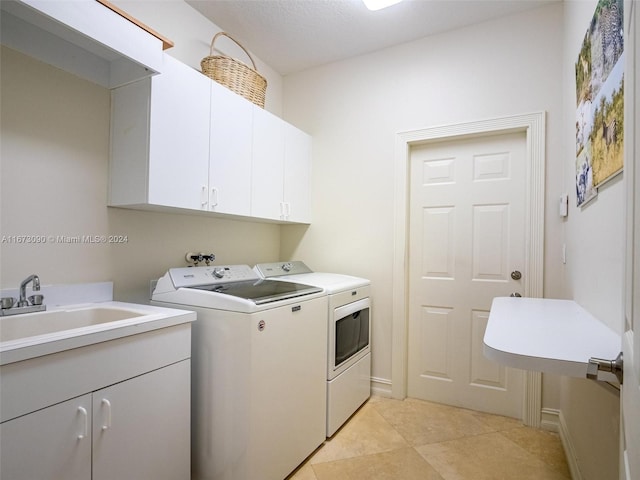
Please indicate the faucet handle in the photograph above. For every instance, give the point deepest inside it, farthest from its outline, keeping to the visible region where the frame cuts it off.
(36, 299)
(7, 302)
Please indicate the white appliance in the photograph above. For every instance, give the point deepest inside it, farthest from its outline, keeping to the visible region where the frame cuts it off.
(349, 335)
(258, 370)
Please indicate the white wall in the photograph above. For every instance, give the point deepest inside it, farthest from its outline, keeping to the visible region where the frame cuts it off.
(594, 235)
(354, 109)
(594, 232)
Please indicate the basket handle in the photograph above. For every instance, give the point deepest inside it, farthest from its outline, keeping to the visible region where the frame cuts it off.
(234, 41)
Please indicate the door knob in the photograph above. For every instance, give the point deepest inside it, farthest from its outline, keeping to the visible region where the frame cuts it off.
(515, 294)
(516, 275)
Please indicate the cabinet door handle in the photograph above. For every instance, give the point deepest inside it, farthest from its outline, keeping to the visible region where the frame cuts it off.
(203, 197)
(285, 210)
(107, 418)
(85, 422)
(214, 197)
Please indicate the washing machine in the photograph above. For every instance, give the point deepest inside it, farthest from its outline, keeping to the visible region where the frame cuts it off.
(348, 318)
(258, 370)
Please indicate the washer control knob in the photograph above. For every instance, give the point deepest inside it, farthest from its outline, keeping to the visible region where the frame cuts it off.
(287, 267)
(218, 272)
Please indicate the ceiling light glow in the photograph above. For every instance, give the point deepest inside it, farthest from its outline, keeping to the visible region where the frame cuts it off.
(379, 4)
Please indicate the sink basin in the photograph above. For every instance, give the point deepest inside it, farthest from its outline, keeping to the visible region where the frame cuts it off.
(30, 335)
(42, 323)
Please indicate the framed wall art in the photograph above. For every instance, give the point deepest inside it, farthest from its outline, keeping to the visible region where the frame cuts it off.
(599, 97)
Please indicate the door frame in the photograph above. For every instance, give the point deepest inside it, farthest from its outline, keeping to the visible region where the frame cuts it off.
(533, 125)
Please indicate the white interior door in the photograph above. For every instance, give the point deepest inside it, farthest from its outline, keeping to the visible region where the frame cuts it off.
(467, 237)
(630, 397)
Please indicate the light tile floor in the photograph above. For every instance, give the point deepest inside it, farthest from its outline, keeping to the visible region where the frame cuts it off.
(413, 439)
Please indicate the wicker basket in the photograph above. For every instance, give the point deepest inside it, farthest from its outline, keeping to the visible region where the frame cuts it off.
(235, 75)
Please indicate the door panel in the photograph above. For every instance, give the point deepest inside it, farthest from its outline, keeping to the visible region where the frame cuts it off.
(438, 255)
(483, 373)
(467, 231)
(436, 338)
(490, 242)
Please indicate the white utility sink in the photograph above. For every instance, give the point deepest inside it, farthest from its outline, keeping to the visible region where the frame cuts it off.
(31, 335)
(41, 323)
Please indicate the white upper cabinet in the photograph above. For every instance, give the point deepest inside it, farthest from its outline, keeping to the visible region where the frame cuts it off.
(179, 137)
(297, 175)
(230, 152)
(181, 141)
(160, 140)
(281, 170)
(268, 165)
(83, 37)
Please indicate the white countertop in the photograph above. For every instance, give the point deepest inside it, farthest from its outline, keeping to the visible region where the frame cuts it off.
(547, 335)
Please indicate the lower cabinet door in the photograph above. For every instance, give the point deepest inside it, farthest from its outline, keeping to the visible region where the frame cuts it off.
(51, 444)
(141, 427)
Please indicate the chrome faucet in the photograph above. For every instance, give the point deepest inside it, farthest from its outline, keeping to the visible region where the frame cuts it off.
(33, 304)
(23, 302)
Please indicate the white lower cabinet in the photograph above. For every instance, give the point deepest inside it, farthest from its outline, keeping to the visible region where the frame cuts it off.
(114, 410)
(141, 427)
(52, 443)
(135, 429)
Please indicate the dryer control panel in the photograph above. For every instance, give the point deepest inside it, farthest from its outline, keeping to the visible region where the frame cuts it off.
(277, 269)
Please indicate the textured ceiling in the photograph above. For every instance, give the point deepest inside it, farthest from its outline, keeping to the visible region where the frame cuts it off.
(294, 35)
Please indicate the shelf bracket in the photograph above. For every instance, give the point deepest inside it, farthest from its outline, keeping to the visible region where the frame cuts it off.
(615, 366)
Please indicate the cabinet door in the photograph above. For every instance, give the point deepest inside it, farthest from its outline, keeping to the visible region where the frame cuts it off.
(297, 175)
(49, 444)
(268, 165)
(179, 137)
(141, 427)
(230, 152)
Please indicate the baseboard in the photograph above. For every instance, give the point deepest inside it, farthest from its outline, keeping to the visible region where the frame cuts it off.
(550, 420)
(569, 449)
(381, 387)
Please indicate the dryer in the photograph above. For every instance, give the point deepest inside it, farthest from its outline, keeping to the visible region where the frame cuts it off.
(348, 317)
(258, 370)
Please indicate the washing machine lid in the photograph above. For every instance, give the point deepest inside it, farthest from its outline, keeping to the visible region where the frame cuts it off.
(262, 291)
(297, 271)
(238, 281)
